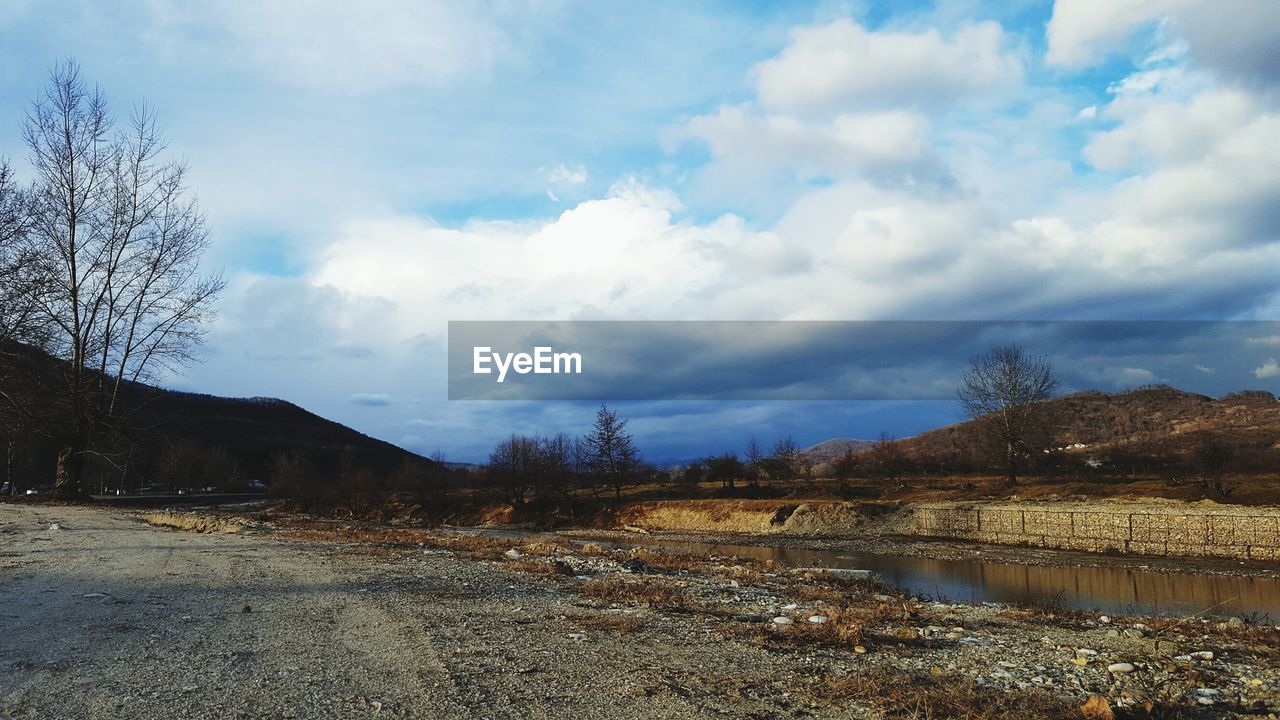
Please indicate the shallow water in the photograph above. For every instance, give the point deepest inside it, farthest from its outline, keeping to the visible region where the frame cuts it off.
(1106, 589)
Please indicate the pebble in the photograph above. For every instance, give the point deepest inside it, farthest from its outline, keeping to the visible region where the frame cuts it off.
(1113, 633)
(790, 606)
(1104, 619)
(782, 620)
(1236, 621)
(1202, 655)
(514, 554)
(819, 619)
(55, 526)
(1121, 667)
(1133, 633)
(1206, 696)
(1086, 652)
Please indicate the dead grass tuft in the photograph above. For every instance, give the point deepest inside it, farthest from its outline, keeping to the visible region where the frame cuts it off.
(903, 694)
(608, 622)
(648, 591)
(193, 522)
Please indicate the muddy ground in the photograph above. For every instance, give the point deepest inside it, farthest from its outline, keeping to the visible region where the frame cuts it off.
(105, 615)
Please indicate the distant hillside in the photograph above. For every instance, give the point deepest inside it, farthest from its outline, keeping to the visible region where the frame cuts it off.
(829, 450)
(165, 427)
(1155, 421)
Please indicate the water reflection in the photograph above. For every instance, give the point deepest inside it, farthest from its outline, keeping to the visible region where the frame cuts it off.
(1107, 590)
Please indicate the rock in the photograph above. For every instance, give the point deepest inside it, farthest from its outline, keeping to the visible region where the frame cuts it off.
(1202, 655)
(860, 650)
(818, 619)
(790, 606)
(1113, 633)
(55, 526)
(514, 554)
(1132, 633)
(1086, 652)
(1121, 667)
(1236, 621)
(1097, 707)
(1206, 696)
(782, 620)
(1079, 661)
(851, 573)
(1104, 619)
(577, 636)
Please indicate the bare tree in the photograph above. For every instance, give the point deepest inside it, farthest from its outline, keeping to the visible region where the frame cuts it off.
(611, 452)
(1001, 391)
(113, 248)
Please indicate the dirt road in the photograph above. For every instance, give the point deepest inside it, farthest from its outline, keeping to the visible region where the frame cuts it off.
(104, 616)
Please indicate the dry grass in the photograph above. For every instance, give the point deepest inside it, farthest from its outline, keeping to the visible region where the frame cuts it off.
(608, 622)
(901, 694)
(649, 592)
(193, 522)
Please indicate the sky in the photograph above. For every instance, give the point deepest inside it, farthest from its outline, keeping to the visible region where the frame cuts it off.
(372, 171)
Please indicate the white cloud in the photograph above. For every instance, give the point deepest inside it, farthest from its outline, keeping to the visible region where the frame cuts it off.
(1268, 341)
(1268, 369)
(370, 399)
(890, 146)
(1239, 39)
(340, 47)
(842, 66)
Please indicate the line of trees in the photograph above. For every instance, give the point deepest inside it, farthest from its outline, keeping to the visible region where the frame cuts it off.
(524, 467)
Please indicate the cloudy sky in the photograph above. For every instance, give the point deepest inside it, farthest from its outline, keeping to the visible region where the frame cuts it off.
(373, 173)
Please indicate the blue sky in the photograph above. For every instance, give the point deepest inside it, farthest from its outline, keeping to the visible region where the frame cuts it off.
(373, 171)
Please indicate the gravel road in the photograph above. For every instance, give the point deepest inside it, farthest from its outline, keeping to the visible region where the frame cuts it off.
(105, 616)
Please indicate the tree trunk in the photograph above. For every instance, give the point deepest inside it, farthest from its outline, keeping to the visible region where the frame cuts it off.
(70, 471)
(1011, 465)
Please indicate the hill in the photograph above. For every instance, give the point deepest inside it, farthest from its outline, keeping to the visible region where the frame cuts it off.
(176, 439)
(829, 450)
(1151, 425)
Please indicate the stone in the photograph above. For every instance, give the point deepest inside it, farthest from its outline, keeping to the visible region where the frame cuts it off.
(818, 619)
(1202, 655)
(1121, 667)
(1104, 619)
(1133, 633)
(1113, 633)
(514, 554)
(790, 606)
(1097, 707)
(1086, 652)
(1236, 621)
(782, 620)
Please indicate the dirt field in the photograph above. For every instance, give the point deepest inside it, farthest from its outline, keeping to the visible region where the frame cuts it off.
(111, 614)
(110, 617)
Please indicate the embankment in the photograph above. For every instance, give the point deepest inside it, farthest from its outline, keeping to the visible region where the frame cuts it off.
(746, 516)
(1139, 527)
(1165, 528)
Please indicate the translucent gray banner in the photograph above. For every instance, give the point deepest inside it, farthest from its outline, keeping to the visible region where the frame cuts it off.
(867, 360)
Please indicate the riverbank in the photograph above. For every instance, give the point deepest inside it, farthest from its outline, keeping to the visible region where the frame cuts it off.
(110, 616)
(1150, 529)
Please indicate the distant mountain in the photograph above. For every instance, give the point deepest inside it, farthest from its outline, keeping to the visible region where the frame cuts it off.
(828, 450)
